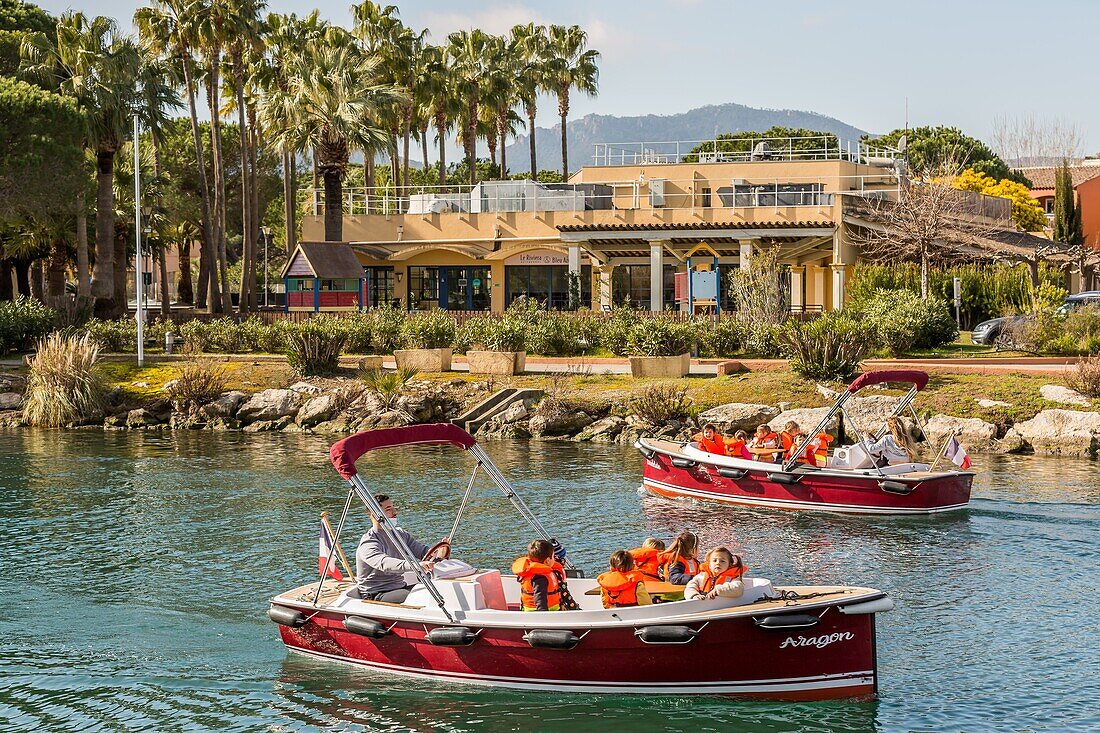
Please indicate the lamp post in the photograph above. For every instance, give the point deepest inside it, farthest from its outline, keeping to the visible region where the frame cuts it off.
(266, 231)
(139, 279)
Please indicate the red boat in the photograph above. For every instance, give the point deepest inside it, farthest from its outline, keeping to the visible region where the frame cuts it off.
(791, 642)
(850, 482)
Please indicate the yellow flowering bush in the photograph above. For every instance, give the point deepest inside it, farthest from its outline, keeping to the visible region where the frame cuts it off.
(1026, 211)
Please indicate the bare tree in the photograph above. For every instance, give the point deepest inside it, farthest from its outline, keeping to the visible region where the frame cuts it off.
(929, 221)
(1029, 140)
(758, 289)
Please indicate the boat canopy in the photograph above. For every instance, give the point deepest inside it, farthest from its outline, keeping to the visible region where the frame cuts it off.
(346, 452)
(910, 376)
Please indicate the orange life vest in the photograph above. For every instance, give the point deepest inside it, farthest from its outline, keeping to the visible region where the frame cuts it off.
(710, 580)
(713, 445)
(735, 448)
(667, 559)
(619, 589)
(526, 569)
(646, 561)
(771, 440)
(818, 450)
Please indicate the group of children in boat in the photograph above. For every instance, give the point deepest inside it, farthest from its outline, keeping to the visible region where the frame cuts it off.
(543, 585)
(895, 446)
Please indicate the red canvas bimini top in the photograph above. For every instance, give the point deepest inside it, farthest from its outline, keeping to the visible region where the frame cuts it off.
(909, 376)
(346, 452)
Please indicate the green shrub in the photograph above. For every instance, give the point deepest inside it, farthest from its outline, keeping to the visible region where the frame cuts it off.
(763, 340)
(386, 322)
(65, 385)
(271, 339)
(196, 383)
(473, 334)
(117, 336)
(1083, 325)
(660, 403)
(1086, 378)
(724, 338)
(827, 348)
(389, 386)
(432, 329)
(660, 335)
(313, 348)
(357, 329)
(615, 330)
(901, 321)
(196, 336)
(506, 334)
(225, 336)
(22, 322)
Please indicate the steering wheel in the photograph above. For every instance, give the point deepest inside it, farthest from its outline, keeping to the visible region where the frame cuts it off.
(434, 553)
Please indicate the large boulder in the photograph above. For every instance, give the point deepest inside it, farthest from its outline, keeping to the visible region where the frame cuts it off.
(316, 410)
(869, 413)
(1063, 395)
(1061, 432)
(559, 423)
(305, 388)
(977, 436)
(738, 416)
(514, 412)
(806, 417)
(603, 431)
(224, 406)
(11, 401)
(143, 418)
(269, 405)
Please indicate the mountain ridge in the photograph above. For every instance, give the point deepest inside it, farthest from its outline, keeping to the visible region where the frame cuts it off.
(700, 123)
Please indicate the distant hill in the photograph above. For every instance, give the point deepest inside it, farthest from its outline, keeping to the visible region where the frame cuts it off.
(701, 123)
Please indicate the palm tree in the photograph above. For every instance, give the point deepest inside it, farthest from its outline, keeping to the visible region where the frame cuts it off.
(569, 66)
(500, 96)
(529, 46)
(168, 27)
(375, 26)
(329, 105)
(92, 62)
(405, 61)
(467, 53)
(439, 88)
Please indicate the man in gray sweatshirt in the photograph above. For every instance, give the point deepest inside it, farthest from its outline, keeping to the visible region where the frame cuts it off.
(379, 567)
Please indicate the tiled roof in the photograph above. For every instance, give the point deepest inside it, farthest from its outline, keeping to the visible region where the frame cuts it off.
(1044, 177)
(329, 260)
(642, 228)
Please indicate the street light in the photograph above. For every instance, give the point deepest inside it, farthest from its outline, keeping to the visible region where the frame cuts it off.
(139, 281)
(267, 238)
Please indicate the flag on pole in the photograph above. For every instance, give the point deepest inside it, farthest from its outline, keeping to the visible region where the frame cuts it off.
(325, 552)
(955, 453)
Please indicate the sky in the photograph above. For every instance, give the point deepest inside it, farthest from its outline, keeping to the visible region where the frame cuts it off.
(967, 63)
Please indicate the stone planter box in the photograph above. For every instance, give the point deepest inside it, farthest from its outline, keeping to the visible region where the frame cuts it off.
(660, 366)
(424, 360)
(504, 363)
(370, 363)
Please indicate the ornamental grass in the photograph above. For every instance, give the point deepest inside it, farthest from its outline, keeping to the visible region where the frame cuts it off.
(65, 386)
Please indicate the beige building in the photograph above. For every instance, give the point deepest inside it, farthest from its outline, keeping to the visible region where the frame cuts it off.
(624, 226)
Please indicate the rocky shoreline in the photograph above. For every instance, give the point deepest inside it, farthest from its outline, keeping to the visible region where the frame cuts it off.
(343, 406)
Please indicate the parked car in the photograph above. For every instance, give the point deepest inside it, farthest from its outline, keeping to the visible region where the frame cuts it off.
(987, 332)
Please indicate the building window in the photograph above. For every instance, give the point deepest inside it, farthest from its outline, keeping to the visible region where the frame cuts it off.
(379, 286)
(423, 288)
(630, 285)
(299, 285)
(1048, 205)
(548, 284)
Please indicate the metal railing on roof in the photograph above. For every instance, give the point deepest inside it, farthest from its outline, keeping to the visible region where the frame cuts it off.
(743, 150)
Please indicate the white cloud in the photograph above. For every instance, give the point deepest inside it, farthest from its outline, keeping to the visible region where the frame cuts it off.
(495, 19)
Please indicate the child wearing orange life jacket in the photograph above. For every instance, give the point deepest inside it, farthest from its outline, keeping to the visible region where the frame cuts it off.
(678, 563)
(765, 444)
(645, 558)
(735, 446)
(720, 577)
(711, 440)
(622, 585)
(539, 576)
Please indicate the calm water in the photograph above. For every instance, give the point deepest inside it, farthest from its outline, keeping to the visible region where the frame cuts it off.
(135, 569)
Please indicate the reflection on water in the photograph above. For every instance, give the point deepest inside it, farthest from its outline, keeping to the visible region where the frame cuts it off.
(135, 570)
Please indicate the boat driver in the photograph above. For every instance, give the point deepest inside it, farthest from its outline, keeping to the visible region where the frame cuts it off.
(379, 567)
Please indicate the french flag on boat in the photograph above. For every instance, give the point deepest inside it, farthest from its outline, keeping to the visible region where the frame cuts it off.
(955, 453)
(325, 552)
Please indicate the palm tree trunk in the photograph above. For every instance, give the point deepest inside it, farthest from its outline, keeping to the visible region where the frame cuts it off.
(244, 304)
(531, 140)
(503, 145)
(563, 110)
(471, 138)
(55, 275)
(23, 277)
(208, 292)
(441, 127)
(290, 201)
(6, 291)
(424, 149)
(103, 278)
(491, 140)
(254, 208)
(407, 132)
(185, 290)
(334, 214)
(120, 301)
(368, 177)
(222, 273)
(38, 281)
(83, 283)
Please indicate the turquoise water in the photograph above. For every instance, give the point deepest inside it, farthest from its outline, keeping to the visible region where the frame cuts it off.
(135, 570)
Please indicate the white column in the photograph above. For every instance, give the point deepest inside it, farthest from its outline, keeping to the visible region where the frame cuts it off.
(746, 254)
(605, 285)
(575, 259)
(839, 283)
(656, 276)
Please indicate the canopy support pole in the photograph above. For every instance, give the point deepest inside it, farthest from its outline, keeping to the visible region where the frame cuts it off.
(335, 544)
(838, 406)
(390, 530)
(905, 403)
(462, 506)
